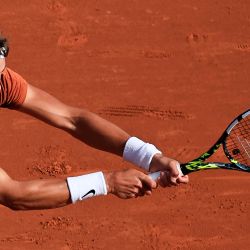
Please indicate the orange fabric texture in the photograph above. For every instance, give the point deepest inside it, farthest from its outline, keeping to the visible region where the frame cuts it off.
(13, 89)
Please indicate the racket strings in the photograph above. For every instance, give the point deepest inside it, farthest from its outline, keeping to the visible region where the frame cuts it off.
(238, 142)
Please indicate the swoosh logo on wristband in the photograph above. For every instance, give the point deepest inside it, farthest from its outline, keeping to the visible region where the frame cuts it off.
(92, 191)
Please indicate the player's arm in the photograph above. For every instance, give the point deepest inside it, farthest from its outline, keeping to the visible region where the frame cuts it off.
(100, 134)
(37, 194)
(53, 193)
(82, 124)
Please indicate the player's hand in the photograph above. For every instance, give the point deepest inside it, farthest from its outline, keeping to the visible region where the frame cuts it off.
(129, 183)
(170, 175)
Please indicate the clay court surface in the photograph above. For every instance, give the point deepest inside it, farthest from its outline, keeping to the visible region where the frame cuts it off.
(174, 73)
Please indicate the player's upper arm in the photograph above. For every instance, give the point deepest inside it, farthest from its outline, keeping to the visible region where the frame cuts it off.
(44, 106)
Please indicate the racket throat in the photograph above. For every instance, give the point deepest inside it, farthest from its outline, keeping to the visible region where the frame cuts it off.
(192, 167)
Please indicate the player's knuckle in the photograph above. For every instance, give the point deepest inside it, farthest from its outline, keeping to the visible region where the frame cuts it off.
(139, 184)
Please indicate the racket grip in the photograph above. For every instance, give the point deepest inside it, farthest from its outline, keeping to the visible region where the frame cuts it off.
(157, 174)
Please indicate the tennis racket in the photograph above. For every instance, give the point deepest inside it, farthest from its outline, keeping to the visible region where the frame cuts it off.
(236, 145)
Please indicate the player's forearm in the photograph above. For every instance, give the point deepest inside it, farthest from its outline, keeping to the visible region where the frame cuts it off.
(46, 194)
(98, 132)
(38, 194)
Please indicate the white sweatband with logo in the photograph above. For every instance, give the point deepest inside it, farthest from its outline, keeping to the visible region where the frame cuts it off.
(139, 153)
(86, 186)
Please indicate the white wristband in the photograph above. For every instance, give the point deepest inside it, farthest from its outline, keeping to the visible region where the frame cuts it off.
(86, 186)
(139, 153)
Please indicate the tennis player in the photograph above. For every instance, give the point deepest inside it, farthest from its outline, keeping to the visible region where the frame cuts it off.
(16, 93)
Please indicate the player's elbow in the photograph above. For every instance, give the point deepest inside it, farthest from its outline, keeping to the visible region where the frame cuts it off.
(15, 200)
(69, 120)
(10, 193)
(10, 198)
(75, 120)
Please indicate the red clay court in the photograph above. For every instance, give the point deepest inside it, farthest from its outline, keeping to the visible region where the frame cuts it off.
(174, 73)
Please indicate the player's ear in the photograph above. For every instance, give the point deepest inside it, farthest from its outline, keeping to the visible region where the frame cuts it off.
(4, 46)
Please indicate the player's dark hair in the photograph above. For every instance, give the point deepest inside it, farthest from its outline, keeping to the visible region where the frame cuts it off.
(4, 46)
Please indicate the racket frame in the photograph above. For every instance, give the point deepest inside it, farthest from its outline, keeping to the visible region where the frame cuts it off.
(199, 164)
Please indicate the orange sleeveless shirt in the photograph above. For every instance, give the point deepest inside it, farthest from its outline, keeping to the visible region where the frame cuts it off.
(13, 89)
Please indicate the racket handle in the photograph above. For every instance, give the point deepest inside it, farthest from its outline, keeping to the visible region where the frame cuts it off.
(155, 175)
